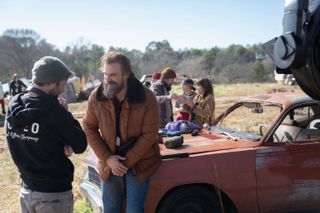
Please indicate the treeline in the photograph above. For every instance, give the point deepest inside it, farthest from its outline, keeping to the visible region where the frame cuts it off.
(20, 48)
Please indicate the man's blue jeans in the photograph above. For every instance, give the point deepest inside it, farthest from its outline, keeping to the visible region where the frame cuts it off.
(115, 187)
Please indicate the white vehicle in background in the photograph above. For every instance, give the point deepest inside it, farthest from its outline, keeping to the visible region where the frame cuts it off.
(6, 87)
(146, 80)
(287, 79)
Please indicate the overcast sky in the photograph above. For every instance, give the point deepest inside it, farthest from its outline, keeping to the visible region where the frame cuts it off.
(133, 24)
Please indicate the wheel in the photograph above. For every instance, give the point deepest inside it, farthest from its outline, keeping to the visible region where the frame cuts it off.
(190, 199)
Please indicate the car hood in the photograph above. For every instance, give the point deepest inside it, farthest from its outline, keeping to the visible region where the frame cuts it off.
(200, 144)
(203, 143)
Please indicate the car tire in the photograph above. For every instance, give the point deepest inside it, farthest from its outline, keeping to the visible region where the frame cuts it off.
(193, 199)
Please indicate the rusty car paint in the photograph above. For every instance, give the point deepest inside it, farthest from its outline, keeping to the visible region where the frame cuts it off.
(257, 176)
(286, 177)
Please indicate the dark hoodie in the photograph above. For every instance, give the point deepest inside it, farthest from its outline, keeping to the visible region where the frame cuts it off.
(37, 129)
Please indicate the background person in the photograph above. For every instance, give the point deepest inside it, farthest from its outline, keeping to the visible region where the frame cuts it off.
(161, 89)
(185, 113)
(203, 104)
(41, 134)
(155, 76)
(123, 113)
(188, 91)
(16, 85)
(2, 100)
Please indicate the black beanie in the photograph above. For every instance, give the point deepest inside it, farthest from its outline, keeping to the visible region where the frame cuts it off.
(49, 69)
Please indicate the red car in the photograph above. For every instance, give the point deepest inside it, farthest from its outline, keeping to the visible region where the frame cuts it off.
(262, 155)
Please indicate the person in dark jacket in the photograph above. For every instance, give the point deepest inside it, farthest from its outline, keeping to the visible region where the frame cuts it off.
(41, 135)
(16, 85)
(161, 89)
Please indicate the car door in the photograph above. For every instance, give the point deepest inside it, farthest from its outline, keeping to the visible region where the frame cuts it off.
(288, 166)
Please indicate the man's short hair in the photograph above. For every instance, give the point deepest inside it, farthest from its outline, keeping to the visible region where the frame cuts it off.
(117, 57)
(168, 73)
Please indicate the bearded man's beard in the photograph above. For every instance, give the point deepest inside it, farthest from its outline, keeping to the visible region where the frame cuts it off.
(55, 92)
(111, 89)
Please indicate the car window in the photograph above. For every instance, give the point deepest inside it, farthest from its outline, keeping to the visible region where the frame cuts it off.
(252, 119)
(299, 124)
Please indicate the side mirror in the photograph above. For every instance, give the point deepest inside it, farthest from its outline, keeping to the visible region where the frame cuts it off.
(257, 109)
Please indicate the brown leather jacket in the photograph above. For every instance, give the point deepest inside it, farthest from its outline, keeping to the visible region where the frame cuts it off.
(139, 118)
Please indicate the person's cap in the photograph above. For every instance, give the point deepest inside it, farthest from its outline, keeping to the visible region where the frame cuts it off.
(49, 69)
(189, 82)
(156, 75)
(168, 73)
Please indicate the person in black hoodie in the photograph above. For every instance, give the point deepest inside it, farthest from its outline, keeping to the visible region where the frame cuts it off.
(41, 135)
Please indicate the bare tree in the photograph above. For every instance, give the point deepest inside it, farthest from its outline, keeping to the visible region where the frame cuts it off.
(19, 49)
(158, 60)
(193, 67)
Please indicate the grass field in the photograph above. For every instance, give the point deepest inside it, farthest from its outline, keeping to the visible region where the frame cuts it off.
(10, 182)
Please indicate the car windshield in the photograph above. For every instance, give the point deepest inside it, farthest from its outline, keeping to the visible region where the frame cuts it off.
(247, 120)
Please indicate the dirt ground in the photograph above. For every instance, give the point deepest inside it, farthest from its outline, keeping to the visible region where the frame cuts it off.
(10, 181)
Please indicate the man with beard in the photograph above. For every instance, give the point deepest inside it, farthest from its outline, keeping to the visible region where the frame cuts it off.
(41, 135)
(121, 123)
(162, 91)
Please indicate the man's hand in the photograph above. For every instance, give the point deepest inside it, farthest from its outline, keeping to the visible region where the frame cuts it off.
(189, 102)
(117, 168)
(173, 96)
(183, 100)
(68, 151)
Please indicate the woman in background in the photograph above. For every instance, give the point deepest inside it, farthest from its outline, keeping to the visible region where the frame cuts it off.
(203, 104)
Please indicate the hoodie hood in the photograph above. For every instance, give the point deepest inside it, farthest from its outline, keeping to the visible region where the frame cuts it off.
(25, 109)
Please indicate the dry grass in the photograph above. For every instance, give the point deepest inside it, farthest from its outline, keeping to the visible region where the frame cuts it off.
(10, 182)
(245, 89)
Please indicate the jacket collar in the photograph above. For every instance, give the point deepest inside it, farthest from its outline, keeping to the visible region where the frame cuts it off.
(135, 93)
(41, 93)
